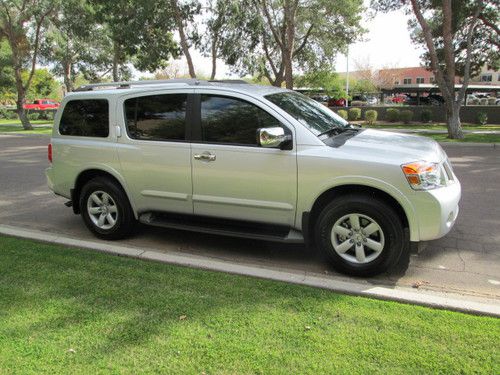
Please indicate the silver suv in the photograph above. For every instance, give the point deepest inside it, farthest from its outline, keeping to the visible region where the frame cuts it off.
(261, 162)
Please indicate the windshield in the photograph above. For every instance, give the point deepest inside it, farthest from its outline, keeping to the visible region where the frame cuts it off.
(315, 116)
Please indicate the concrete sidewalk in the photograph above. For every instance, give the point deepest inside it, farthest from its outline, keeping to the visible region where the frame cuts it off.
(446, 301)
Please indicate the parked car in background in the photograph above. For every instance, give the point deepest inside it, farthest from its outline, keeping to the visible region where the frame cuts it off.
(336, 102)
(251, 161)
(398, 99)
(42, 104)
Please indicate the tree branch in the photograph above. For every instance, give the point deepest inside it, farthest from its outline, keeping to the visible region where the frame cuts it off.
(468, 57)
(432, 50)
(304, 41)
(270, 23)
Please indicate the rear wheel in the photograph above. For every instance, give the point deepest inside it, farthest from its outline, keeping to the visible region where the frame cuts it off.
(105, 209)
(360, 235)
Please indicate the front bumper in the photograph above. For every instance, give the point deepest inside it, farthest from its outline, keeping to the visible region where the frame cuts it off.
(436, 210)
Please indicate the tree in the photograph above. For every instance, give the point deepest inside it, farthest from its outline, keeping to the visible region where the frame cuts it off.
(449, 31)
(323, 81)
(279, 36)
(185, 13)
(139, 32)
(22, 24)
(7, 82)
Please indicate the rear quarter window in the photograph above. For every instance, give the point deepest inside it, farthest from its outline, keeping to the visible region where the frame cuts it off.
(85, 118)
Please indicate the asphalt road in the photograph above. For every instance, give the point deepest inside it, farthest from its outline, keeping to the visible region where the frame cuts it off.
(466, 261)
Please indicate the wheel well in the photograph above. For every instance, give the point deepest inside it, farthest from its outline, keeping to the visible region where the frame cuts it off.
(85, 177)
(337, 191)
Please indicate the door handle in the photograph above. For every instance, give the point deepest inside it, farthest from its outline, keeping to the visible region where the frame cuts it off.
(205, 156)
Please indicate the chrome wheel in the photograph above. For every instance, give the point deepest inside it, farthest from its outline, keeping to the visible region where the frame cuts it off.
(102, 210)
(357, 238)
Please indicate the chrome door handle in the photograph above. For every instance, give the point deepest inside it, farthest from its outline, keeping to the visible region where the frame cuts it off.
(206, 156)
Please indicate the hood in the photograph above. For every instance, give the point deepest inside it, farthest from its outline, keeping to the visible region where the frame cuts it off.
(395, 146)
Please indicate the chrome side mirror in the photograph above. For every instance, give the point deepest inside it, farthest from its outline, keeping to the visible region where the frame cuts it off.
(271, 137)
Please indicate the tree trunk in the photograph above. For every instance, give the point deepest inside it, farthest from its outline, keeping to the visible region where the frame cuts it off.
(182, 36)
(21, 98)
(214, 57)
(289, 44)
(116, 58)
(453, 120)
(67, 76)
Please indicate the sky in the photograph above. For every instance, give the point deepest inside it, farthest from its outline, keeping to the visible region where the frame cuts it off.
(387, 44)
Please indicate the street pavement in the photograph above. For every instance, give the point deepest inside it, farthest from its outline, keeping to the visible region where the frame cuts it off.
(466, 261)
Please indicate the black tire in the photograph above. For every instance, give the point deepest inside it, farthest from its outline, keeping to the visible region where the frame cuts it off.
(394, 240)
(125, 220)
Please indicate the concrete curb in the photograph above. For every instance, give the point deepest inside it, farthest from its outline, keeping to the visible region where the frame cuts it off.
(435, 300)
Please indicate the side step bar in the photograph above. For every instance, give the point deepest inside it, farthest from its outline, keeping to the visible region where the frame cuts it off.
(223, 227)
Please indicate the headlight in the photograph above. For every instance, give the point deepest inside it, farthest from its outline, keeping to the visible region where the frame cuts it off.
(423, 175)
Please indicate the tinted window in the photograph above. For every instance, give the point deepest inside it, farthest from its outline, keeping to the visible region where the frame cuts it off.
(230, 120)
(157, 117)
(86, 118)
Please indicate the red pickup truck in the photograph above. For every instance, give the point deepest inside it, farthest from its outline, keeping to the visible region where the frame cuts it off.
(42, 104)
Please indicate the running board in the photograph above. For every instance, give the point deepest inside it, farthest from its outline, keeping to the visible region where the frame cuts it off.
(223, 227)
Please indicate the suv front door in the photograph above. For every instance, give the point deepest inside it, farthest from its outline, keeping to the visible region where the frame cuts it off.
(233, 177)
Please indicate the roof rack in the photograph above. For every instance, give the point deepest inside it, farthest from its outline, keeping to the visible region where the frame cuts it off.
(127, 85)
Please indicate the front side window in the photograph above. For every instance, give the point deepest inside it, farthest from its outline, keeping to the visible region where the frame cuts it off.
(315, 116)
(157, 117)
(85, 118)
(232, 121)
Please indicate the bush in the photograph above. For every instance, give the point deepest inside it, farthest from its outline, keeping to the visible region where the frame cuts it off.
(342, 113)
(33, 116)
(46, 115)
(406, 116)
(371, 116)
(483, 101)
(3, 113)
(492, 101)
(426, 115)
(357, 103)
(392, 114)
(474, 101)
(11, 115)
(482, 118)
(354, 114)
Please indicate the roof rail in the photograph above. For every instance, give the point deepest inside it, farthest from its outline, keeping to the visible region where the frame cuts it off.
(129, 84)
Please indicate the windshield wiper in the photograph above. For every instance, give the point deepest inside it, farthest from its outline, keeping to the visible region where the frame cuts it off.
(338, 130)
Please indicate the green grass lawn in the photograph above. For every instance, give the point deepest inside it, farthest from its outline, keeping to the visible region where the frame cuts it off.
(5, 129)
(80, 312)
(481, 138)
(35, 122)
(431, 126)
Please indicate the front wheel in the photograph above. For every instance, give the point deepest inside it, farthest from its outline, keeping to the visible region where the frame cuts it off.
(360, 235)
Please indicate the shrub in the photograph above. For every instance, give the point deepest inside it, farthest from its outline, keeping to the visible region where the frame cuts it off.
(483, 101)
(406, 116)
(354, 114)
(3, 113)
(426, 115)
(392, 114)
(492, 101)
(46, 115)
(474, 101)
(342, 113)
(11, 115)
(482, 118)
(371, 116)
(33, 116)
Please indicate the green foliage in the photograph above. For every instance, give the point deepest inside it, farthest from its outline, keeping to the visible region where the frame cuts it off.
(342, 113)
(43, 85)
(371, 116)
(33, 116)
(406, 116)
(392, 114)
(354, 114)
(362, 86)
(323, 81)
(426, 115)
(482, 118)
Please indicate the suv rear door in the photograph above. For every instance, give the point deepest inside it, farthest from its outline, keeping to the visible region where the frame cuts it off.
(233, 177)
(154, 151)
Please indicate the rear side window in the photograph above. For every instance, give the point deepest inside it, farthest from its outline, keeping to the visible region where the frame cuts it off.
(85, 118)
(157, 117)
